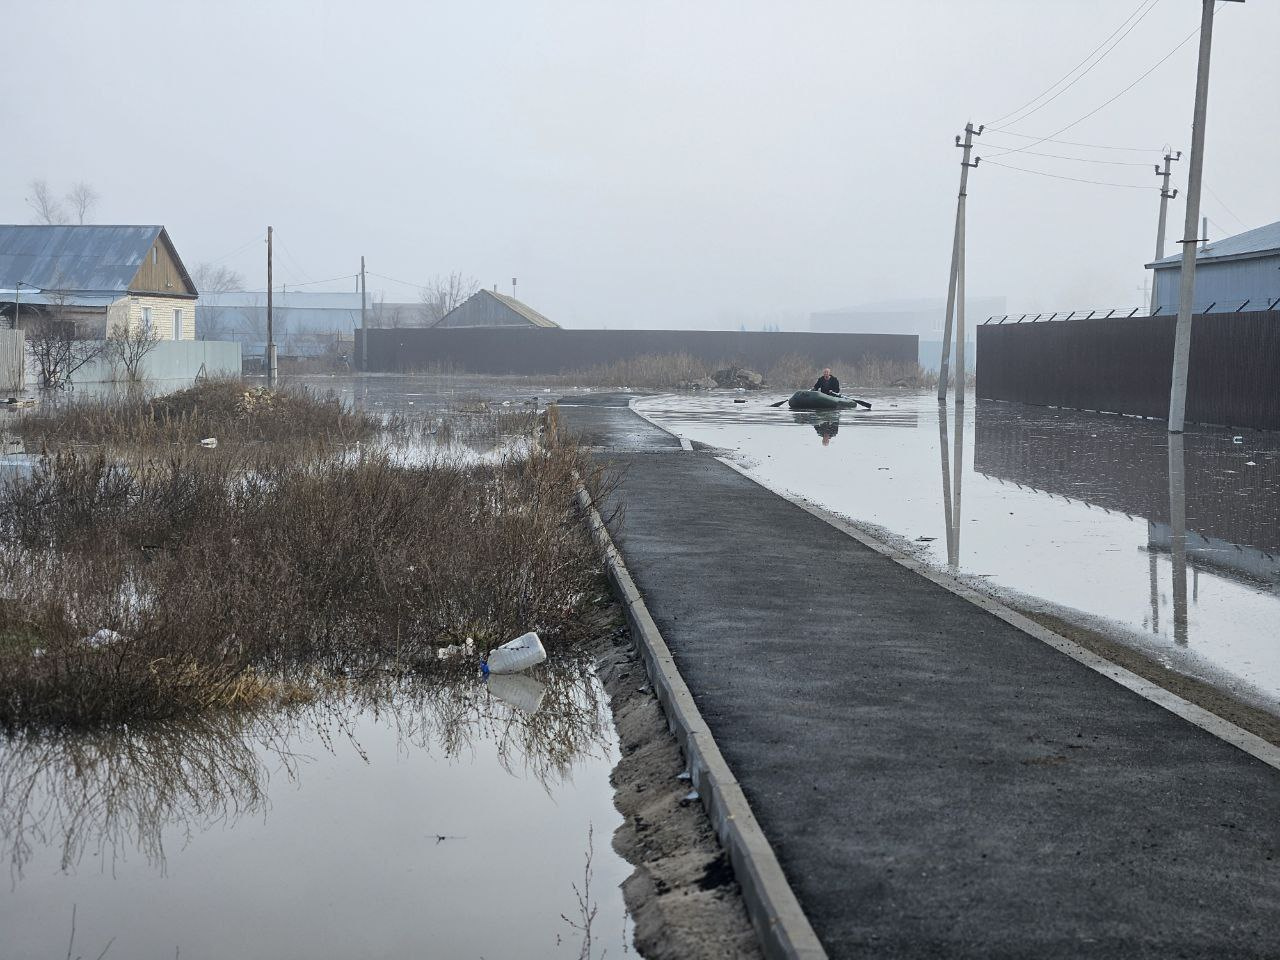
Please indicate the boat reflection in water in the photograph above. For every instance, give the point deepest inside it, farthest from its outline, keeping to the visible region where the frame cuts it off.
(825, 423)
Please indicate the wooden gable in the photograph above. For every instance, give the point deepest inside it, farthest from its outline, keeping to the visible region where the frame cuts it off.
(162, 271)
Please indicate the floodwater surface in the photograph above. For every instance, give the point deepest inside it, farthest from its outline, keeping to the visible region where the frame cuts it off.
(449, 821)
(1173, 545)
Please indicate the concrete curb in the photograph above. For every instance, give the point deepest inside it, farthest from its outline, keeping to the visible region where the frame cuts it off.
(781, 926)
(1250, 743)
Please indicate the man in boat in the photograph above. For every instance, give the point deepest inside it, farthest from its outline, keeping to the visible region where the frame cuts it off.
(828, 384)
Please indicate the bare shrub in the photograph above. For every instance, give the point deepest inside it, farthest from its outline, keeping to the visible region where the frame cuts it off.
(221, 408)
(154, 589)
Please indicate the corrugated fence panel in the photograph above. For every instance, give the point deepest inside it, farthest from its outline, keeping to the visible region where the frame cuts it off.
(541, 351)
(1125, 366)
(12, 361)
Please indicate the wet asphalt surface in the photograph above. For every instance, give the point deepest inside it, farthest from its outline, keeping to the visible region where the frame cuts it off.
(935, 782)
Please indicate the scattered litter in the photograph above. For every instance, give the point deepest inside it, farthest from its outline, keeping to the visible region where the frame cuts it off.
(523, 693)
(925, 539)
(690, 797)
(209, 442)
(21, 402)
(104, 637)
(1237, 439)
(684, 775)
(739, 400)
(455, 649)
(411, 403)
(515, 655)
(506, 403)
(1250, 463)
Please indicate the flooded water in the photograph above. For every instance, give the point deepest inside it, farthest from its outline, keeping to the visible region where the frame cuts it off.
(1174, 546)
(449, 820)
(453, 822)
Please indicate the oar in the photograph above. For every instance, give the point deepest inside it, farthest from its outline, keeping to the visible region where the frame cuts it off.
(861, 403)
(780, 402)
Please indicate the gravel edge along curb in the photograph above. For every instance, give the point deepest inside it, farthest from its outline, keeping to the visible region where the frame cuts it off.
(781, 925)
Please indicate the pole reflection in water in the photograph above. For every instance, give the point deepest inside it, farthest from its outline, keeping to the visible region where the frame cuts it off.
(951, 485)
(1178, 535)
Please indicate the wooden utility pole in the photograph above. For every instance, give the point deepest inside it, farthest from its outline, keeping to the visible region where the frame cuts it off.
(1187, 277)
(955, 288)
(1165, 196)
(271, 345)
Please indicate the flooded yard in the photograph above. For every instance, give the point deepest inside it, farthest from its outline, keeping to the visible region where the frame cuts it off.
(446, 821)
(412, 808)
(1175, 548)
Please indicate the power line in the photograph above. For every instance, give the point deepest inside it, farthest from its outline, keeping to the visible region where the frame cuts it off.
(244, 246)
(383, 276)
(1225, 207)
(1058, 176)
(289, 253)
(1112, 99)
(1085, 72)
(1059, 156)
(1075, 143)
(311, 283)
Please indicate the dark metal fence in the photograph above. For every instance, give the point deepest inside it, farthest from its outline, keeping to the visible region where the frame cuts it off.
(1124, 365)
(497, 350)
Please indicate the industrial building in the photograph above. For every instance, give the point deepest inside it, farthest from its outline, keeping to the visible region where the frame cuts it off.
(304, 324)
(1233, 275)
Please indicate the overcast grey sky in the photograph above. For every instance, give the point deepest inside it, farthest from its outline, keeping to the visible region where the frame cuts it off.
(641, 164)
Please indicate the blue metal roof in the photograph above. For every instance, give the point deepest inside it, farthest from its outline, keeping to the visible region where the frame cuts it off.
(1264, 241)
(82, 258)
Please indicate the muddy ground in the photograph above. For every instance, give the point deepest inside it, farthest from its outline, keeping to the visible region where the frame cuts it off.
(683, 896)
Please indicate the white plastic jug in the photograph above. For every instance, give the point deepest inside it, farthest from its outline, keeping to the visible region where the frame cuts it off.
(515, 655)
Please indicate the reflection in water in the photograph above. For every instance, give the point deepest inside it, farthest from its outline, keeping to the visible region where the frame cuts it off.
(827, 427)
(115, 792)
(1178, 535)
(950, 486)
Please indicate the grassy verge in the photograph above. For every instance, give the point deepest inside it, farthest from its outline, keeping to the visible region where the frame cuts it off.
(173, 582)
(224, 409)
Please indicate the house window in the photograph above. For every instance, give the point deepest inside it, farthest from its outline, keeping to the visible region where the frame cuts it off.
(146, 321)
(155, 255)
(177, 323)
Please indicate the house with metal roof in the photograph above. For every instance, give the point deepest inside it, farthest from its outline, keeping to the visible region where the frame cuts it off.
(1233, 275)
(99, 277)
(488, 308)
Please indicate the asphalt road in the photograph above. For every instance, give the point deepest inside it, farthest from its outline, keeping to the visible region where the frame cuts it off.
(936, 783)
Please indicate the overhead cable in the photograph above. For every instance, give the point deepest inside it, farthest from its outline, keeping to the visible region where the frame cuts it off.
(1138, 12)
(1058, 176)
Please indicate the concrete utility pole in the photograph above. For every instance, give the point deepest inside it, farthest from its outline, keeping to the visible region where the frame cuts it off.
(956, 284)
(1204, 232)
(1187, 276)
(364, 339)
(271, 346)
(513, 288)
(1165, 196)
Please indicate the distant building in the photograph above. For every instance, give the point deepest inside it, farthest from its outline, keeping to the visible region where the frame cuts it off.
(99, 277)
(924, 318)
(303, 324)
(489, 308)
(1233, 274)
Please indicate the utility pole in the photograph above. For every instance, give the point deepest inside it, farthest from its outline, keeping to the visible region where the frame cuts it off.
(513, 288)
(1187, 276)
(1204, 232)
(364, 338)
(1165, 196)
(271, 346)
(955, 288)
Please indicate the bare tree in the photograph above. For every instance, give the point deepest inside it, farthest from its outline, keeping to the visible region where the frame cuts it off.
(55, 344)
(443, 293)
(211, 314)
(82, 198)
(128, 345)
(48, 207)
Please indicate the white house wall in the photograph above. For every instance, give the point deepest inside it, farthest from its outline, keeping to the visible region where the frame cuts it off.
(162, 309)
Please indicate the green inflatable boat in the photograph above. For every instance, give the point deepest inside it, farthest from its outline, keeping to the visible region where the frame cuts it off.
(817, 400)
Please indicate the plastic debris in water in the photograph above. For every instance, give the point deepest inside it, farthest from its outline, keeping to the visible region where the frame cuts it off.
(102, 638)
(454, 649)
(1237, 439)
(523, 652)
(691, 796)
(209, 442)
(1250, 463)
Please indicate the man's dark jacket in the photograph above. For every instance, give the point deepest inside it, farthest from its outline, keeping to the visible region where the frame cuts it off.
(827, 385)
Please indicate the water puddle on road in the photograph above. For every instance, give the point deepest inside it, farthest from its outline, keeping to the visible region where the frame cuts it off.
(443, 819)
(1176, 546)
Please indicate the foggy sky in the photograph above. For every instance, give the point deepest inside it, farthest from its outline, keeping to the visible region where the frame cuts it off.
(663, 164)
